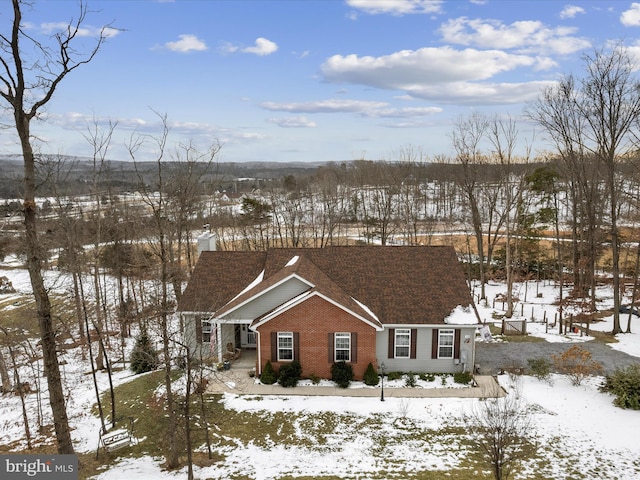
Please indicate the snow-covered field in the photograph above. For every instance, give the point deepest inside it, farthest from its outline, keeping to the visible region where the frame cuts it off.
(578, 431)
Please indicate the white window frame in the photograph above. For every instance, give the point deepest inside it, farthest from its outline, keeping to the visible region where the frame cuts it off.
(402, 333)
(282, 347)
(344, 350)
(446, 340)
(207, 330)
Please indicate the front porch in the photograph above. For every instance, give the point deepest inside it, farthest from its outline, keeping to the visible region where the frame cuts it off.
(229, 340)
(238, 378)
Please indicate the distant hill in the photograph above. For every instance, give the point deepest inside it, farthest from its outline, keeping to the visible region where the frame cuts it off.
(75, 173)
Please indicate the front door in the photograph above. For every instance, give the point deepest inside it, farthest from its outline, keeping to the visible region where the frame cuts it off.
(247, 337)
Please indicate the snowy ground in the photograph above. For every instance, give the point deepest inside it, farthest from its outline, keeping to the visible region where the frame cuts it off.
(579, 433)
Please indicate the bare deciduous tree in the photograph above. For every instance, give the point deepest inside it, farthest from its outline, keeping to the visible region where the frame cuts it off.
(28, 84)
(595, 117)
(467, 137)
(610, 103)
(500, 429)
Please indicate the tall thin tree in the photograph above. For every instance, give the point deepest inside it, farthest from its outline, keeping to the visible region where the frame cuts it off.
(28, 83)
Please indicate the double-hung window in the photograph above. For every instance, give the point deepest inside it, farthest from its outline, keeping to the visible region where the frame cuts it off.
(285, 346)
(402, 343)
(207, 328)
(342, 347)
(445, 343)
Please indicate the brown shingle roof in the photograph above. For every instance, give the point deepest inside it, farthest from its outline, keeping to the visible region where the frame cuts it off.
(400, 285)
(304, 268)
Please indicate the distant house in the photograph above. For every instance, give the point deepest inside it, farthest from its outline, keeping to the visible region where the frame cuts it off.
(230, 197)
(408, 307)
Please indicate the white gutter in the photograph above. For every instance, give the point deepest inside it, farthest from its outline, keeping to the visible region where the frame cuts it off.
(259, 370)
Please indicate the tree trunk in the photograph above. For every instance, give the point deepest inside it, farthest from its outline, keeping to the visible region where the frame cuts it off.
(43, 304)
(173, 454)
(4, 375)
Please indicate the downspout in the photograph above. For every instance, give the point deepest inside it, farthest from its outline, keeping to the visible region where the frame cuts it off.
(259, 356)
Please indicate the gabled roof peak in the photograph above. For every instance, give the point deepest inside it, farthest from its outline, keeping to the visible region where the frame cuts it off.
(397, 284)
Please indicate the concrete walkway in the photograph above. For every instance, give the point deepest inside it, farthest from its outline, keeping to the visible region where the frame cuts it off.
(237, 380)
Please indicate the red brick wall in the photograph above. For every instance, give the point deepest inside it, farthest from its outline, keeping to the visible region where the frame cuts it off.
(314, 319)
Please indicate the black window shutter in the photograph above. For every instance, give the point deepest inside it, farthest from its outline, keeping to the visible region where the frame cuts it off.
(296, 346)
(330, 341)
(456, 344)
(274, 346)
(354, 347)
(434, 343)
(198, 329)
(392, 343)
(414, 341)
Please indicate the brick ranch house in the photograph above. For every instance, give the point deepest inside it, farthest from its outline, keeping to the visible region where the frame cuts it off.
(409, 307)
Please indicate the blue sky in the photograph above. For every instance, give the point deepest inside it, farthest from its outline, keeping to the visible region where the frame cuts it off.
(325, 80)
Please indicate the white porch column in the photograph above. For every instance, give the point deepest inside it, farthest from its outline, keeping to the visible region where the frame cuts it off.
(218, 344)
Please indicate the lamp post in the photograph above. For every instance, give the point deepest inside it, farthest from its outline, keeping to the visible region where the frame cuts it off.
(382, 367)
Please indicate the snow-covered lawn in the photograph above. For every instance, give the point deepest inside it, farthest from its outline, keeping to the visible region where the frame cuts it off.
(578, 431)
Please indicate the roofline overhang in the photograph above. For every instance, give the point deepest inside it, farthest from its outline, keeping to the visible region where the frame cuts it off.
(430, 325)
(303, 297)
(232, 321)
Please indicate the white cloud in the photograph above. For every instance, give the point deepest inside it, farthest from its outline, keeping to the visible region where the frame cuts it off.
(369, 109)
(292, 122)
(425, 66)
(570, 11)
(476, 93)
(634, 55)
(51, 28)
(405, 112)
(187, 43)
(631, 17)
(324, 106)
(442, 75)
(261, 47)
(526, 36)
(396, 7)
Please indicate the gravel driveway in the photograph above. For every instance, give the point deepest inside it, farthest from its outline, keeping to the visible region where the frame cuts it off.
(492, 357)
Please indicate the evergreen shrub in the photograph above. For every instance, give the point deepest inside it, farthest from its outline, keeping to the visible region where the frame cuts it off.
(625, 385)
(410, 380)
(268, 376)
(342, 374)
(289, 374)
(371, 377)
(427, 377)
(540, 368)
(143, 357)
(462, 378)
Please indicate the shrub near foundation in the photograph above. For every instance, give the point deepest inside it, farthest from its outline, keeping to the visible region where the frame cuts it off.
(371, 377)
(462, 378)
(290, 374)
(342, 374)
(268, 376)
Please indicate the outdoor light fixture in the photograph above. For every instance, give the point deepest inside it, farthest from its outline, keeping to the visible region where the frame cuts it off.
(382, 367)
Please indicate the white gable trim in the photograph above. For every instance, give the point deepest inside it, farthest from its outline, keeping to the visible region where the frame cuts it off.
(257, 280)
(262, 292)
(304, 297)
